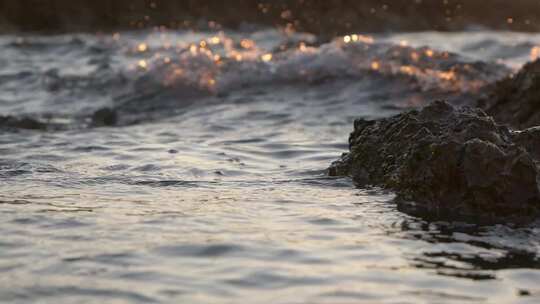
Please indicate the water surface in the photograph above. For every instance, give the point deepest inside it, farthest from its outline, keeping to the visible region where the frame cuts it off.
(212, 187)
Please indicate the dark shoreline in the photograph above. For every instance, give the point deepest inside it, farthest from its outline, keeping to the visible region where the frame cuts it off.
(328, 18)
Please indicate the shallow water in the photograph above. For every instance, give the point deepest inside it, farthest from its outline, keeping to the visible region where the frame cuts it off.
(212, 188)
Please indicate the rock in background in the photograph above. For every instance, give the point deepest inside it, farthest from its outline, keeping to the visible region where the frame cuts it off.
(515, 100)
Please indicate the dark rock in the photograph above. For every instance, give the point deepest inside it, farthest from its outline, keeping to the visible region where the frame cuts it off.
(515, 100)
(530, 140)
(21, 123)
(442, 160)
(105, 117)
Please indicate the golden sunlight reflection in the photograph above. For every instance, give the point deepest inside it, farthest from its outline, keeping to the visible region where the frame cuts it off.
(215, 40)
(193, 49)
(142, 64)
(366, 39)
(142, 47)
(358, 38)
(266, 57)
(209, 57)
(247, 44)
(449, 75)
(535, 53)
(407, 69)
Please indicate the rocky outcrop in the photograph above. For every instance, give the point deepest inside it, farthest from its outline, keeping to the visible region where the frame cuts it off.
(11, 122)
(443, 160)
(515, 100)
(104, 117)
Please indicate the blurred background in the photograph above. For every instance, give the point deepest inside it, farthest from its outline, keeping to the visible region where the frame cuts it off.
(328, 17)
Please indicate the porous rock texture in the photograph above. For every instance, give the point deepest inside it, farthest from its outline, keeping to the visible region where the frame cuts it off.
(449, 161)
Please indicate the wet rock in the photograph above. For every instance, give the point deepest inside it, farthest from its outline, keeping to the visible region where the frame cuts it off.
(515, 100)
(21, 123)
(442, 160)
(105, 117)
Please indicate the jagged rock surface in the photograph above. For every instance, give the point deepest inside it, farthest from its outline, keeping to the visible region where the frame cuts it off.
(515, 100)
(445, 160)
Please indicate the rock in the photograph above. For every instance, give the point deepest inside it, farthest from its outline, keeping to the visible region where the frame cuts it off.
(515, 100)
(442, 160)
(530, 140)
(21, 123)
(105, 117)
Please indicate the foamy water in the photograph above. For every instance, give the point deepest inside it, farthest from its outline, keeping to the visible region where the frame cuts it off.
(212, 188)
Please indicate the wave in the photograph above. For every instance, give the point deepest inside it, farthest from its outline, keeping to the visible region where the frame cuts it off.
(139, 72)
